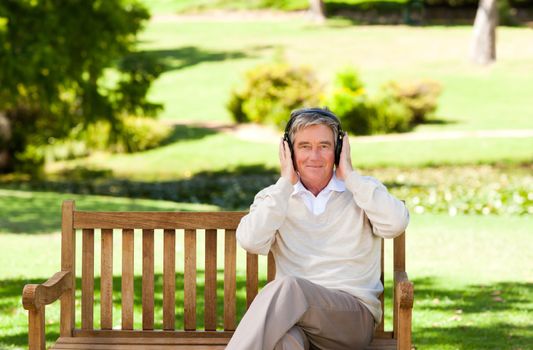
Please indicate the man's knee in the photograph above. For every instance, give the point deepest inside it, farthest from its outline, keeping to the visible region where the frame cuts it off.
(294, 339)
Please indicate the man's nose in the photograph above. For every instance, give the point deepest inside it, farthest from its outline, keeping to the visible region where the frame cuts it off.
(315, 153)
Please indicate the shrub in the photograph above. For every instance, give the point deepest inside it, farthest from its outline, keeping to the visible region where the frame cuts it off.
(272, 91)
(136, 134)
(140, 134)
(389, 115)
(361, 114)
(397, 107)
(349, 102)
(420, 96)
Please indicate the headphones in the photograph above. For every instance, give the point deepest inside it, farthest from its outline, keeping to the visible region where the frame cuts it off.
(323, 112)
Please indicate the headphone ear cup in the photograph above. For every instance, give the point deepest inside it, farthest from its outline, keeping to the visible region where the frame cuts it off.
(338, 149)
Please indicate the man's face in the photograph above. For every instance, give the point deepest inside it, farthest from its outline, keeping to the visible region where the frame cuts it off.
(314, 155)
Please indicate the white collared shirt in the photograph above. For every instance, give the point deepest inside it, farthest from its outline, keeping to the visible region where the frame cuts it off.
(317, 205)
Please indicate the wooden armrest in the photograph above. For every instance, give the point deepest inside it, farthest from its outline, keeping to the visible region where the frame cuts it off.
(36, 295)
(404, 290)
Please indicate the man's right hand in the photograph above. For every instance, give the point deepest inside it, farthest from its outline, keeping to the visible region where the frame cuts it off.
(285, 159)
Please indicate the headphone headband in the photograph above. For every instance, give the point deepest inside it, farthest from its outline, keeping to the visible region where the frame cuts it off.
(322, 111)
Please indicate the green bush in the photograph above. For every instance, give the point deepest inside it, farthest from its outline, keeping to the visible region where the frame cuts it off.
(389, 115)
(419, 96)
(140, 134)
(136, 134)
(397, 107)
(272, 91)
(361, 114)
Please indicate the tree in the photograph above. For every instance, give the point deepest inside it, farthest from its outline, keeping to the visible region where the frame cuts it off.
(483, 49)
(318, 10)
(53, 55)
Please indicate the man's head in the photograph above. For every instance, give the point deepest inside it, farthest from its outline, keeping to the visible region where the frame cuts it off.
(315, 138)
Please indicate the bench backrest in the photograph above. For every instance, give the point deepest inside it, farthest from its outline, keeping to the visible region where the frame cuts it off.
(176, 227)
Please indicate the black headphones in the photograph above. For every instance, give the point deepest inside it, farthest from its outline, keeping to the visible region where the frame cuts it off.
(323, 112)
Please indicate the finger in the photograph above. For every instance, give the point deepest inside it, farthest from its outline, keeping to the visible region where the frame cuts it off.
(287, 149)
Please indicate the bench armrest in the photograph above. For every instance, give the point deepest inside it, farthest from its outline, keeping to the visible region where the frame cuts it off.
(404, 290)
(34, 296)
(403, 303)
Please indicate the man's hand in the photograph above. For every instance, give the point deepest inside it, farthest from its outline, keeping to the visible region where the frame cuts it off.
(285, 160)
(345, 162)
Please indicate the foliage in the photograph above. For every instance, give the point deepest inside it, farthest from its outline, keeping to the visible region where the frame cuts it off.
(272, 91)
(137, 134)
(350, 102)
(419, 96)
(389, 115)
(397, 107)
(53, 55)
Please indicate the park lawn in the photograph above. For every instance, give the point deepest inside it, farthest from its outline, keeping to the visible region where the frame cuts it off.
(158, 7)
(473, 287)
(224, 152)
(207, 59)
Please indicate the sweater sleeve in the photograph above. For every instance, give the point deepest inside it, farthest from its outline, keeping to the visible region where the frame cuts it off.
(256, 231)
(388, 215)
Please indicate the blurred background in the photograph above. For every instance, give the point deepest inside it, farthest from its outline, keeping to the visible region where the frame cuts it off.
(179, 105)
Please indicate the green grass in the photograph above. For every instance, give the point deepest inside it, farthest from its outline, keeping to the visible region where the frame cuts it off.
(211, 56)
(218, 152)
(185, 6)
(473, 287)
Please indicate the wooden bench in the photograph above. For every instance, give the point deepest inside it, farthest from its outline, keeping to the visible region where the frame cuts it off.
(184, 225)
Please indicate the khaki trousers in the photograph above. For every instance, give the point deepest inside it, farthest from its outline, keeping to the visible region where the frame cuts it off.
(292, 313)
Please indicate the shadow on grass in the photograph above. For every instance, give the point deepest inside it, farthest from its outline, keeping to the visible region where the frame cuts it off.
(496, 305)
(187, 56)
(187, 133)
(24, 211)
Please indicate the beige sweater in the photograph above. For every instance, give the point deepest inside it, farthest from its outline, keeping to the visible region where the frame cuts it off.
(338, 249)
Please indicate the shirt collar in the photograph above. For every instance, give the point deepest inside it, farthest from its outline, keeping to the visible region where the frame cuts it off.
(333, 185)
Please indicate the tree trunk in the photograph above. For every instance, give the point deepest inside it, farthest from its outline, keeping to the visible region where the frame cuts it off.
(483, 50)
(5, 137)
(318, 10)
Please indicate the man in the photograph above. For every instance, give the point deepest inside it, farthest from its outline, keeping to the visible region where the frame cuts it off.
(323, 222)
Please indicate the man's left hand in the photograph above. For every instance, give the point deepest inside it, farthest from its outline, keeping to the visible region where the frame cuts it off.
(345, 162)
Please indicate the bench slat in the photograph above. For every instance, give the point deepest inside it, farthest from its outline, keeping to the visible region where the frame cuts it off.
(68, 263)
(252, 278)
(230, 257)
(210, 291)
(155, 220)
(87, 279)
(189, 290)
(148, 279)
(169, 279)
(271, 267)
(106, 283)
(127, 279)
(381, 325)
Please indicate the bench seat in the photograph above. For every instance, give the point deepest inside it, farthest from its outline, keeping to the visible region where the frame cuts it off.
(167, 343)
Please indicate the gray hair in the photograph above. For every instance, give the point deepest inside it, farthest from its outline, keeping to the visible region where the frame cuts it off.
(305, 119)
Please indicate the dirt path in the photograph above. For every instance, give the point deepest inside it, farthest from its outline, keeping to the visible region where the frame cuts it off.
(266, 134)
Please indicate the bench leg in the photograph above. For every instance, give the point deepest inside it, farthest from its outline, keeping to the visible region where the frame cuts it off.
(36, 339)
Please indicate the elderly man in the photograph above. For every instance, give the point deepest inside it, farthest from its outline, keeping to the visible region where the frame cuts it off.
(323, 222)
